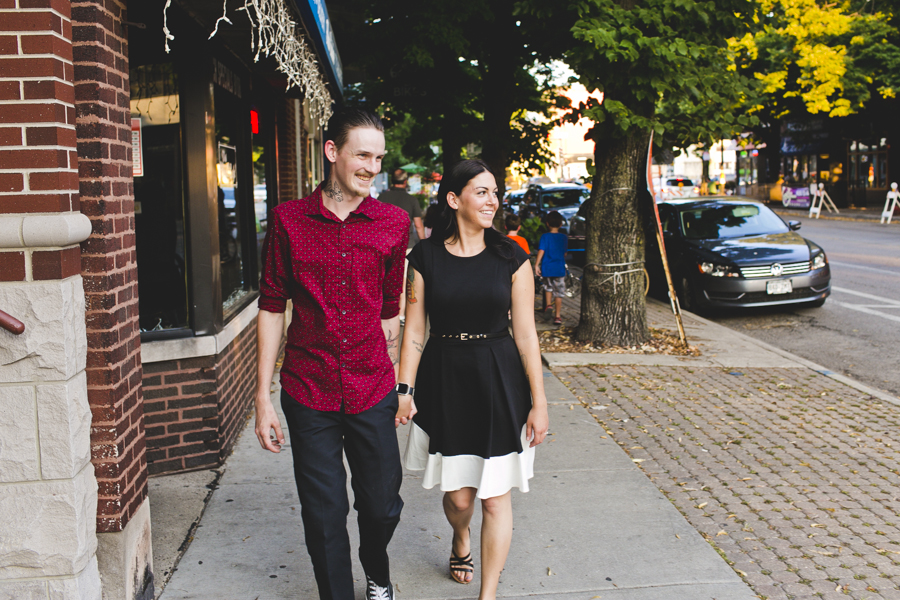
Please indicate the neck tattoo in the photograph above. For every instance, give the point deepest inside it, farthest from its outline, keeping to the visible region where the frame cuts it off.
(332, 190)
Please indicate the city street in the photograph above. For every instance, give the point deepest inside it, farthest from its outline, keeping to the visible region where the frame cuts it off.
(855, 333)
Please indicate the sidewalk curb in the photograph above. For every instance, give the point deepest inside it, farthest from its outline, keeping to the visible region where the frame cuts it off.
(881, 395)
(884, 396)
(787, 213)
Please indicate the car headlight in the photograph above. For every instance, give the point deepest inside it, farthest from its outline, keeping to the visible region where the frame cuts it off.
(819, 261)
(717, 270)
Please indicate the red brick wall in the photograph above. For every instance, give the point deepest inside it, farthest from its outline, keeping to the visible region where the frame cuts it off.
(195, 408)
(38, 162)
(236, 387)
(108, 261)
(288, 188)
(180, 414)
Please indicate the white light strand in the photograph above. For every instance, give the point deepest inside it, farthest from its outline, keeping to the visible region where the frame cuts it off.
(274, 33)
(166, 31)
(224, 17)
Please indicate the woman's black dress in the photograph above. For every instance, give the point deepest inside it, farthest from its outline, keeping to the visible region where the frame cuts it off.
(472, 396)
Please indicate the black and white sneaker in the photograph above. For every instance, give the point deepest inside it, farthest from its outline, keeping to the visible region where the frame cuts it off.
(376, 592)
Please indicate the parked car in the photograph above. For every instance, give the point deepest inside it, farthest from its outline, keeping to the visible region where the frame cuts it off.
(513, 199)
(733, 253)
(565, 198)
(673, 188)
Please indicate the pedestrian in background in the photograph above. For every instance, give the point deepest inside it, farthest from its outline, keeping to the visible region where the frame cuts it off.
(551, 264)
(480, 393)
(338, 255)
(398, 196)
(513, 224)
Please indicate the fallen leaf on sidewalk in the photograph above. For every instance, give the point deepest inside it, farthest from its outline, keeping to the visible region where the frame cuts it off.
(702, 504)
(549, 572)
(817, 525)
(723, 532)
(637, 460)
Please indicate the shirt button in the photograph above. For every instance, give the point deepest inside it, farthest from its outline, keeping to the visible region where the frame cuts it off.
(345, 340)
(343, 254)
(344, 282)
(343, 312)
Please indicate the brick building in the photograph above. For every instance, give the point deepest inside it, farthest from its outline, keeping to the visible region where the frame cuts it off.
(138, 161)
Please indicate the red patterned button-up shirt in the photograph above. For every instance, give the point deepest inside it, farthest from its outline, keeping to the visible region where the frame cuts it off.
(343, 277)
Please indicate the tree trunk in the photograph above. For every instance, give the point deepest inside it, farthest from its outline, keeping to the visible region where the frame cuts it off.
(613, 311)
(499, 82)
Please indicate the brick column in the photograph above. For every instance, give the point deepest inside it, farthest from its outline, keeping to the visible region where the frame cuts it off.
(48, 496)
(109, 269)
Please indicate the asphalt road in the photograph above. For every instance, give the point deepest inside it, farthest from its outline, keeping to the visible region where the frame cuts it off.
(857, 331)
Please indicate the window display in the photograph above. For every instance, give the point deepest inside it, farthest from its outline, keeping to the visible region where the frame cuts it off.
(158, 198)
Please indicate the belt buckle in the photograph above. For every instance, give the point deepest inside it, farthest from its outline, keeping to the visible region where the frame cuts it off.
(463, 337)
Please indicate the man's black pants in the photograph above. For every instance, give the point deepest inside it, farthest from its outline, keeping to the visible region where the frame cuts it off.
(318, 440)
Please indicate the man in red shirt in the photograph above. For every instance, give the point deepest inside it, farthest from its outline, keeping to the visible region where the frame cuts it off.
(338, 255)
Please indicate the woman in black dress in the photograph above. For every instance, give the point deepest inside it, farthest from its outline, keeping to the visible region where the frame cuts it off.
(479, 406)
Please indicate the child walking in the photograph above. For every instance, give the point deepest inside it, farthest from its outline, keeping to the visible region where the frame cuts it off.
(551, 264)
(513, 224)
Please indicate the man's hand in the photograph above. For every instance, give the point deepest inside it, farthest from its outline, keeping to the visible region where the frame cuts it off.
(266, 421)
(406, 410)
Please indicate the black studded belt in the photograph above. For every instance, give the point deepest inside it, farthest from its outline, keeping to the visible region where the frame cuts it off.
(465, 337)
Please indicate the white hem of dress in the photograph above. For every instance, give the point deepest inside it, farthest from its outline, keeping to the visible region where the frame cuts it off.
(491, 477)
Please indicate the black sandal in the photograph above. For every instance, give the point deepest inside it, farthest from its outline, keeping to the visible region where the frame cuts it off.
(464, 565)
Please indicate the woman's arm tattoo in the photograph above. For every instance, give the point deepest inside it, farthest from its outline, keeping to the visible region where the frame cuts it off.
(419, 347)
(411, 286)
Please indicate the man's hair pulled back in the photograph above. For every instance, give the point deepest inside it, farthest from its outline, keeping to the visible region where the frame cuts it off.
(346, 118)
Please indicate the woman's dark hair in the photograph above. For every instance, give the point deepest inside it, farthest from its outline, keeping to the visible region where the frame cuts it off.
(444, 223)
(431, 215)
(346, 118)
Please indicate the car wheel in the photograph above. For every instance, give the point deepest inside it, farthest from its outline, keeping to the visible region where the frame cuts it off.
(688, 297)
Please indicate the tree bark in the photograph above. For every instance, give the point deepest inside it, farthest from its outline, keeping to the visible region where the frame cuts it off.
(499, 86)
(614, 311)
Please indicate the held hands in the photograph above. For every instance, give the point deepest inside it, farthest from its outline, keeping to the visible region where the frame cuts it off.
(266, 421)
(406, 410)
(537, 425)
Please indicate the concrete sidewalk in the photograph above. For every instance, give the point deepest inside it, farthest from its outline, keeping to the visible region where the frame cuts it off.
(593, 524)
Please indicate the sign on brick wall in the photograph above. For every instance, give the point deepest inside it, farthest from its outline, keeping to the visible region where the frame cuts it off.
(137, 168)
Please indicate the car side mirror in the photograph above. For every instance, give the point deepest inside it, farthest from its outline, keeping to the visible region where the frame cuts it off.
(794, 225)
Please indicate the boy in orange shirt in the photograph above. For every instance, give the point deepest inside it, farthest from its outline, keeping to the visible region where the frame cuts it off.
(513, 224)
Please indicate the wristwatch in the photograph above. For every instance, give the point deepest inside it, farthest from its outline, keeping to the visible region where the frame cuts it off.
(404, 389)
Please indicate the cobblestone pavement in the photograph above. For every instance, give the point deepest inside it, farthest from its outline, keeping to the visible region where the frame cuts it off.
(791, 476)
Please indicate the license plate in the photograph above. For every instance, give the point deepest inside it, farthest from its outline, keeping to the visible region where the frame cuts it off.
(781, 286)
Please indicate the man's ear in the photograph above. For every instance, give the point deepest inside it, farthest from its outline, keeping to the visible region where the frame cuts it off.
(331, 151)
(452, 200)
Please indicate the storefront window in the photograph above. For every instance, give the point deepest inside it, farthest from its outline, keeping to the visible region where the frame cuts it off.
(231, 203)
(260, 191)
(158, 198)
(868, 164)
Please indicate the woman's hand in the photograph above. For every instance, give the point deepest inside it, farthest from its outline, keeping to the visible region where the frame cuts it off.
(537, 425)
(406, 410)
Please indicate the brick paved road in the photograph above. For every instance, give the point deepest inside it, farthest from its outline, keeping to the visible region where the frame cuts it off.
(791, 475)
